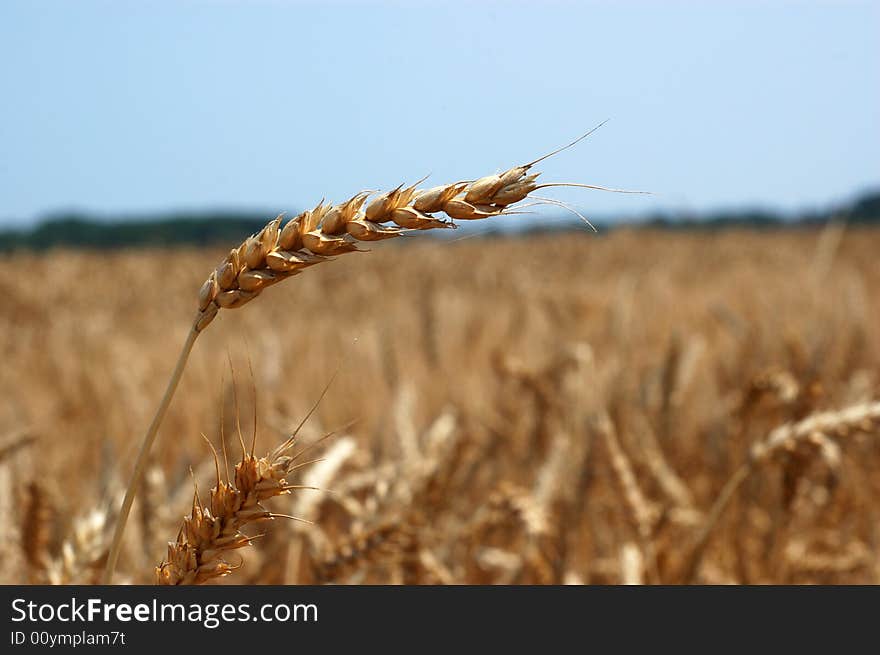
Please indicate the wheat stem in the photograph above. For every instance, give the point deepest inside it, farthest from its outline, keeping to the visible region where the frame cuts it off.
(141, 463)
(702, 540)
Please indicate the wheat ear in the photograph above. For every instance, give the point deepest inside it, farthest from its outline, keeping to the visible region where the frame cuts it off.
(315, 236)
(212, 530)
(813, 430)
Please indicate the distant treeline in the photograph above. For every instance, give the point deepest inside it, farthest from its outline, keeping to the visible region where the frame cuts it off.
(864, 210)
(199, 229)
(82, 231)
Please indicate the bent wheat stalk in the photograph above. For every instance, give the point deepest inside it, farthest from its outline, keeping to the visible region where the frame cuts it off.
(316, 236)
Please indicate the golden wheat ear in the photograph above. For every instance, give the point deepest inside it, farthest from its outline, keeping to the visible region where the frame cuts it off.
(213, 529)
(314, 236)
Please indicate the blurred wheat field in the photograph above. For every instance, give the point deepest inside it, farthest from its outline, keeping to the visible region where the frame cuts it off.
(548, 409)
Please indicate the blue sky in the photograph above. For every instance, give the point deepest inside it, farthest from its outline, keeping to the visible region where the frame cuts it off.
(121, 107)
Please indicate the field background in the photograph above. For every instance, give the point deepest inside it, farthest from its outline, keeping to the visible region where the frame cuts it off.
(560, 408)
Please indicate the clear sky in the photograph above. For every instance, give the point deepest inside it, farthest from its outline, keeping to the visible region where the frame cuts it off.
(120, 106)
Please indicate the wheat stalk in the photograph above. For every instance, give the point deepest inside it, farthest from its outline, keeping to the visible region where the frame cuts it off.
(643, 512)
(316, 236)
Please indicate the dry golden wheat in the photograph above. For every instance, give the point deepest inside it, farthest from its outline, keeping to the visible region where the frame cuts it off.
(636, 303)
(812, 432)
(314, 236)
(213, 529)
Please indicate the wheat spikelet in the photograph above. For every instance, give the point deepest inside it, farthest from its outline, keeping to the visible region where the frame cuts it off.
(212, 530)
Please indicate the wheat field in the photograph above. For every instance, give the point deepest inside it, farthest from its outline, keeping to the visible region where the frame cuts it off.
(632, 407)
